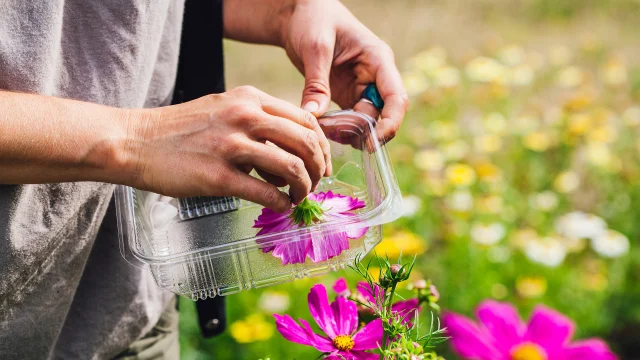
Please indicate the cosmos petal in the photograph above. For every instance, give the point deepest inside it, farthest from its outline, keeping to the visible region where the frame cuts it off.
(321, 311)
(369, 337)
(345, 314)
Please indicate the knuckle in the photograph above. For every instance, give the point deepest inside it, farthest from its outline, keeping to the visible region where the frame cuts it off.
(393, 131)
(386, 49)
(295, 167)
(270, 195)
(308, 120)
(311, 141)
(246, 90)
(316, 86)
(320, 46)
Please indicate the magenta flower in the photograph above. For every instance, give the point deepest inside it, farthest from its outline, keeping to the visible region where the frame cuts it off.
(339, 321)
(501, 335)
(406, 309)
(318, 246)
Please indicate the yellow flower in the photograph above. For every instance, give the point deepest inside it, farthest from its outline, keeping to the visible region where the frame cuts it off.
(579, 101)
(495, 123)
(415, 83)
(374, 270)
(570, 77)
(599, 154)
(488, 144)
(579, 123)
(490, 204)
(530, 287)
(430, 160)
(447, 76)
(538, 141)
(429, 61)
(614, 73)
(460, 174)
(253, 328)
(488, 172)
(605, 133)
(566, 182)
(402, 241)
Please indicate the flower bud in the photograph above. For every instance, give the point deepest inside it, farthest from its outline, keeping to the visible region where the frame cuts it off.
(420, 284)
(384, 281)
(396, 270)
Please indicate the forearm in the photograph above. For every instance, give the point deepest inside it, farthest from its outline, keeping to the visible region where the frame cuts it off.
(46, 139)
(257, 21)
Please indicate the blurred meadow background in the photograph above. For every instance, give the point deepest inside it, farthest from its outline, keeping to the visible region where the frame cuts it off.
(518, 161)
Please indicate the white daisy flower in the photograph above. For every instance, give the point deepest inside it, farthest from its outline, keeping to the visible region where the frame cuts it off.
(610, 244)
(487, 234)
(411, 204)
(580, 225)
(484, 69)
(273, 301)
(545, 201)
(460, 200)
(548, 251)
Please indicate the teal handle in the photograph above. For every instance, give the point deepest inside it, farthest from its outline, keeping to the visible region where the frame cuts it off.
(372, 95)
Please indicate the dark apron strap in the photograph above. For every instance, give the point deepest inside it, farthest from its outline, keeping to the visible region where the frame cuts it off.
(201, 72)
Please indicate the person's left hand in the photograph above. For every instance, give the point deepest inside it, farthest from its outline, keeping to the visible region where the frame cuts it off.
(339, 56)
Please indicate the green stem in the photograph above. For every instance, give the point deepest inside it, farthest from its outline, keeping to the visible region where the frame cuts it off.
(388, 314)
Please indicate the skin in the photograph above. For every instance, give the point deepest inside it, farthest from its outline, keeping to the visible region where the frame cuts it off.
(209, 145)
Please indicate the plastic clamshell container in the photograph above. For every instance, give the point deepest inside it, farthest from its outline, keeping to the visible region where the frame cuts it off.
(220, 254)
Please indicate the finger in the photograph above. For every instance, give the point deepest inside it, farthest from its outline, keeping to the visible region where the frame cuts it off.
(283, 109)
(396, 100)
(250, 188)
(317, 59)
(368, 108)
(281, 164)
(295, 139)
(272, 179)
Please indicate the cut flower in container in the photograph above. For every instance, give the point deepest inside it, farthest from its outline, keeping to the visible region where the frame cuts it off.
(316, 208)
(247, 246)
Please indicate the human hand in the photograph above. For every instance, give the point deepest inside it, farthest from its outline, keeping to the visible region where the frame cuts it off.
(207, 147)
(339, 57)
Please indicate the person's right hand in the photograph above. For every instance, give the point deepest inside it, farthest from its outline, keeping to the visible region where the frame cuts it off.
(207, 147)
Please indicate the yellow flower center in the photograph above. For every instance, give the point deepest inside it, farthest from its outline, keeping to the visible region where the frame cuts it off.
(343, 342)
(528, 351)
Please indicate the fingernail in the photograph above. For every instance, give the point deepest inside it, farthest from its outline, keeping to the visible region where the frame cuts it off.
(311, 106)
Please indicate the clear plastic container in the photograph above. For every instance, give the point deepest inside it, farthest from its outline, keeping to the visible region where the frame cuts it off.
(220, 253)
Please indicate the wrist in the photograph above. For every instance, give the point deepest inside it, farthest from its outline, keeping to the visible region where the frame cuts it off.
(122, 160)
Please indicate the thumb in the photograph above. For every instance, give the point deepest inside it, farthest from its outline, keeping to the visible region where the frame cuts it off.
(317, 61)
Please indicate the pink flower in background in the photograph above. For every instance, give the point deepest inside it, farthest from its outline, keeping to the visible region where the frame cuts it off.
(318, 246)
(406, 308)
(502, 335)
(339, 321)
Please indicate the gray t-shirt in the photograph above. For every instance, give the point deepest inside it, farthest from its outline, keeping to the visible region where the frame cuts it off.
(65, 290)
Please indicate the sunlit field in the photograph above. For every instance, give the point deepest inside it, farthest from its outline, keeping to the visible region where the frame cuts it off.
(519, 164)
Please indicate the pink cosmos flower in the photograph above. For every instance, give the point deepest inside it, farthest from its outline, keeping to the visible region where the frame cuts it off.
(501, 335)
(318, 246)
(406, 309)
(339, 321)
